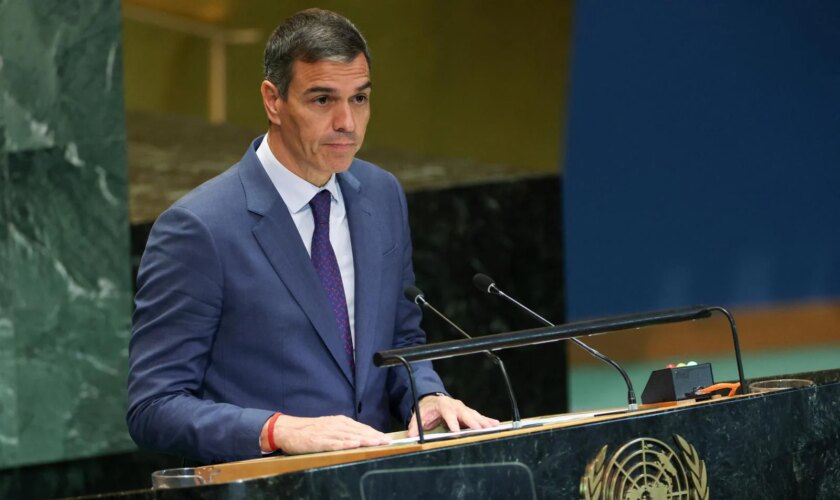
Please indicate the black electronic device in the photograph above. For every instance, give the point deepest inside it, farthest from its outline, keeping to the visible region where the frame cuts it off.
(675, 384)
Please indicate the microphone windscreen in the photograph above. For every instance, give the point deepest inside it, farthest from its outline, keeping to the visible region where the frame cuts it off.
(412, 292)
(483, 282)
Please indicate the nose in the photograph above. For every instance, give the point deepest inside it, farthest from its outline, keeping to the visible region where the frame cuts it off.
(343, 119)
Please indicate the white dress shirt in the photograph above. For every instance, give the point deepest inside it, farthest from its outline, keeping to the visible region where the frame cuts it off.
(296, 194)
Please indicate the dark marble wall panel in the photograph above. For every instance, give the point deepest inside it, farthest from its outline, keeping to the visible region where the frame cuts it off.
(88, 476)
(510, 230)
(64, 252)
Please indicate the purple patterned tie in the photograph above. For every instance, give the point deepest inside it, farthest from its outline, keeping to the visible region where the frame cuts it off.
(326, 265)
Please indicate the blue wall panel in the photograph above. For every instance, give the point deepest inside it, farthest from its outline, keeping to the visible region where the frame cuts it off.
(703, 155)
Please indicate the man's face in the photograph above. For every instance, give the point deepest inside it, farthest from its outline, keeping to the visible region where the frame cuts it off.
(322, 121)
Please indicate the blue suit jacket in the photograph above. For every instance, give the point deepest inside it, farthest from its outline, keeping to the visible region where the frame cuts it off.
(233, 324)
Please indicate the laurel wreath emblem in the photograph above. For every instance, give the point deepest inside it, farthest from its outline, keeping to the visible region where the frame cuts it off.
(593, 482)
(696, 468)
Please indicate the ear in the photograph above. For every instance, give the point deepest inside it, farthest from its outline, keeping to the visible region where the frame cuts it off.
(272, 101)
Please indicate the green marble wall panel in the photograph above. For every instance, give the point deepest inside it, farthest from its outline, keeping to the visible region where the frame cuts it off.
(8, 373)
(65, 292)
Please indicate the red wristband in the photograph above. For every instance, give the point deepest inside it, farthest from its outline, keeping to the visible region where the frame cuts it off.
(271, 421)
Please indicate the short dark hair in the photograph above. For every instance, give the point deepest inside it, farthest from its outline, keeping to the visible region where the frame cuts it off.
(310, 35)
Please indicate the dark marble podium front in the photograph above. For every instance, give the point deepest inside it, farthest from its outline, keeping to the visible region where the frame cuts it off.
(783, 445)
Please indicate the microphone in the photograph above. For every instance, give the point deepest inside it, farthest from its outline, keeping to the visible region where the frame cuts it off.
(415, 295)
(487, 285)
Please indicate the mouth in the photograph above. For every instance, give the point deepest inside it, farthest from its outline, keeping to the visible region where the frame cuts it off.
(341, 146)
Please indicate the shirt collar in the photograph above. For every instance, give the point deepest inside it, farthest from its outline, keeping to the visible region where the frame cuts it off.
(296, 192)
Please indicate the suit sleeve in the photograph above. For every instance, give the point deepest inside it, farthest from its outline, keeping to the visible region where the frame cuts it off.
(178, 305)
(407, 331)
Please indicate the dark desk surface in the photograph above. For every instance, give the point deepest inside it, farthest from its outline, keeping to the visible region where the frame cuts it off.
(780, 445)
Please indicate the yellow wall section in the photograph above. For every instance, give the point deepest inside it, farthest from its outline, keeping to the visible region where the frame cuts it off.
(465, 79)
(165, 72)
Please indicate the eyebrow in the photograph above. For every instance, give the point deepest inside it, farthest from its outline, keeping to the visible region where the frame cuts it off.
(330, 90)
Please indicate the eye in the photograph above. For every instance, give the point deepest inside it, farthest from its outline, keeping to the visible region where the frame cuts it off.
(360, 98)
(321, 100)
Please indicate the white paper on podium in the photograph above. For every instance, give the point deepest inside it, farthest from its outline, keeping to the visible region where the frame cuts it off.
(528, 422)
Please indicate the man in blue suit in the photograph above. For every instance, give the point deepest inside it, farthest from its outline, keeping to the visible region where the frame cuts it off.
(264, 293)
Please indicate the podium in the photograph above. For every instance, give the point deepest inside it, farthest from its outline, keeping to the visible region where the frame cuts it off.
(776, 445)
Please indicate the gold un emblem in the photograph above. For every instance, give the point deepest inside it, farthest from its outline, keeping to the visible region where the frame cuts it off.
(646, 469)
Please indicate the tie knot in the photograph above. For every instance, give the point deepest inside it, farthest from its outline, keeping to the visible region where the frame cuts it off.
(320, 205)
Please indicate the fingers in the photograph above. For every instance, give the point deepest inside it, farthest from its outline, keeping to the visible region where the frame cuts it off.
(370, 441)
(487, 422)
(452, 416)
(475, 420)
(412, 426)
(431, 419)
(348, 442)
(306, 435)
(358, 428)
(357, 431)
(337, 444)
(453, 412)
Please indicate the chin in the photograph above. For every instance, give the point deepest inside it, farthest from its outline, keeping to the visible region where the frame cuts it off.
(342, 165)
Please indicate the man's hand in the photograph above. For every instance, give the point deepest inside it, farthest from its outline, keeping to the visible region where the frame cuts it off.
(296, 435)
(440, 408)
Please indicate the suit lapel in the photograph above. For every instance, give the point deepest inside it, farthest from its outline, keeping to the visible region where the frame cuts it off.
(367, 263)
(279, 240)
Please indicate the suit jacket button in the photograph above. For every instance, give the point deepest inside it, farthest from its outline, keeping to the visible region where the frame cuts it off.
(359, 408)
